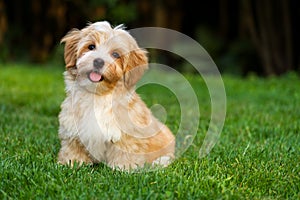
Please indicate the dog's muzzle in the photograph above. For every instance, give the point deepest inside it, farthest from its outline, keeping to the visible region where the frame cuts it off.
(95, 75)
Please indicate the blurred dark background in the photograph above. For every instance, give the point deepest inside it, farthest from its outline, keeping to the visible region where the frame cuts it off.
(242, 36)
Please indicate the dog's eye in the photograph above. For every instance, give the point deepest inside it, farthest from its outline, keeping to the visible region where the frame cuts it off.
(91, 47)
(115, 54)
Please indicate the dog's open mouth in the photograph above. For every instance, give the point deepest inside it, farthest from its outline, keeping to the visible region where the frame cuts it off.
(95, 76)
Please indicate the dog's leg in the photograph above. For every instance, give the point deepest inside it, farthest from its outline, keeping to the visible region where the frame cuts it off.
(72, 151)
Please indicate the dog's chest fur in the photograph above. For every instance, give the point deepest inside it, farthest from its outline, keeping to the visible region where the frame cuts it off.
(92, 121)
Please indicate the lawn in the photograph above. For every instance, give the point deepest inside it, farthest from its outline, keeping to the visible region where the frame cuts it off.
(256, 157)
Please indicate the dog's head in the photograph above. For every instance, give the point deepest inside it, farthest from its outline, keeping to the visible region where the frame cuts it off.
(100, 57)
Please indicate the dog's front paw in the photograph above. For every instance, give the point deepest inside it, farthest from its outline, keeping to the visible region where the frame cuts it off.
(74, 161)
(71, 162)
(71, 152)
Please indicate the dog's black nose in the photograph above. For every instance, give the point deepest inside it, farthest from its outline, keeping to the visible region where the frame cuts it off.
(98, 63)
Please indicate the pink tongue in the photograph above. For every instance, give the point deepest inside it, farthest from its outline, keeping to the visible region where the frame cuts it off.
(95, 77)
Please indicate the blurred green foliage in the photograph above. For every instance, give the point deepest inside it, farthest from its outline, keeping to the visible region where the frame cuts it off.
(117, 11)
(241, 36)
(33, 29)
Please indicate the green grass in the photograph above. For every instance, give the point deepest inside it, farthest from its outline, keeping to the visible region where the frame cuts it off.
(257, 156)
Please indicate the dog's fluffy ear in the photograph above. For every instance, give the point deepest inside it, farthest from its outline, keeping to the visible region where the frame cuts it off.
(136, 66)
(70, 53)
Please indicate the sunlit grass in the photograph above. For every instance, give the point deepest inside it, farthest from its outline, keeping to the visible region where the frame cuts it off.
(257, 156)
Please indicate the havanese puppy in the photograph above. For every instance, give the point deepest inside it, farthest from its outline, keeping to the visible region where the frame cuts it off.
(102, 118)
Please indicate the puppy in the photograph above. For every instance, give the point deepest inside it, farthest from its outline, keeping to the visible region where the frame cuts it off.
(102, 118)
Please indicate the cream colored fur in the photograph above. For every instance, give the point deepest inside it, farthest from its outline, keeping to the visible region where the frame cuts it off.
(106, 121)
